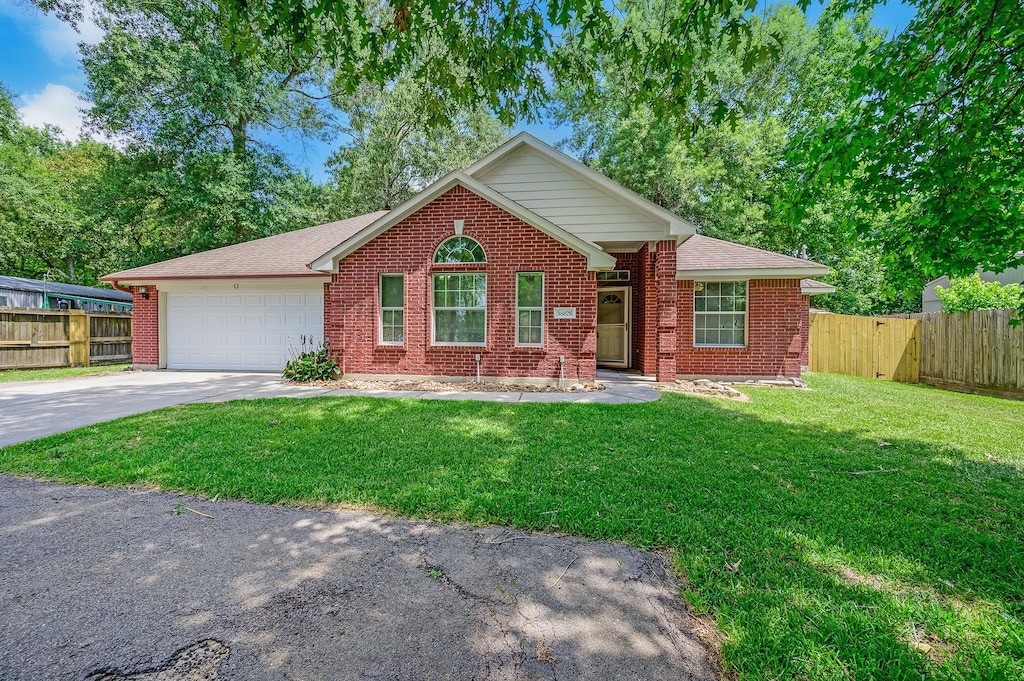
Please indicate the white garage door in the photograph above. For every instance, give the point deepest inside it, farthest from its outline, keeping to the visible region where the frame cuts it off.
(238, 330)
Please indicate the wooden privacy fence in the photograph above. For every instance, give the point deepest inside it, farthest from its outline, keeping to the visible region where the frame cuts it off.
(976, 351)
(871, 347)
(34, 339)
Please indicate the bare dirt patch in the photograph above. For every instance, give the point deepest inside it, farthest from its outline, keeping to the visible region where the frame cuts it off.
(929, 644)
(853, 577)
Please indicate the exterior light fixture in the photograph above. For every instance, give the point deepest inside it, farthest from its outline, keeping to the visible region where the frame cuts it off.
(144, 290)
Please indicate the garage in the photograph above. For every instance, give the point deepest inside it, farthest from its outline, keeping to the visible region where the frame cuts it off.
(240, 330)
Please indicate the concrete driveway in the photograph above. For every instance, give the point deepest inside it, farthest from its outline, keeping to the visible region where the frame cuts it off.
(34, 409)
(112, 584)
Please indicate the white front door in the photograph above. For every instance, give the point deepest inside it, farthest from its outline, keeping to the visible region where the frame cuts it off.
(613, 313)
(240, 330)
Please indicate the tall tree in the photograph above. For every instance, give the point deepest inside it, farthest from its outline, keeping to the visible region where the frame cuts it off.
(191, 109)
(933, 138)
(395, 150)
(46, 228)
(730, 178)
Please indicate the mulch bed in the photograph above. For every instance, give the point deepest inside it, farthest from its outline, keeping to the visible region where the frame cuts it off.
(443, 386)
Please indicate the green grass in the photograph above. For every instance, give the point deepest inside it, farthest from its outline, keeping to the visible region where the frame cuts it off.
(839, 574)
(12, 375)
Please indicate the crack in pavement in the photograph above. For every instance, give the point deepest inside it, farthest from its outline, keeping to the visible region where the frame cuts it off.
(104, 581)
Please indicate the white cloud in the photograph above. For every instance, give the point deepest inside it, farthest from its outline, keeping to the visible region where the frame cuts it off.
(56, 105)
(57, 39)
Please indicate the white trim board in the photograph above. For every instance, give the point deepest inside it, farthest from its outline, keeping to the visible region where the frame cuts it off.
(597, 259)
(675, 225)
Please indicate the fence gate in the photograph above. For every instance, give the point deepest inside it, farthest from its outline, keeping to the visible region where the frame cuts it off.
(887, 348)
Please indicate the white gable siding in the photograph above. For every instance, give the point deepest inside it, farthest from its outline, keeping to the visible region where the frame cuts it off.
(569, 201)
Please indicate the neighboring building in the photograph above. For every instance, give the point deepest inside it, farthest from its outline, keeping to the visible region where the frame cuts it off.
(49, 295)
(527, 265)
(930, 300)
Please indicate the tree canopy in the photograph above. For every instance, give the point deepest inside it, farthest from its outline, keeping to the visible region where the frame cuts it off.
(732, 179)
(395, 151)
(911, 144)
(192, 114)
(971, 293)
(933, 138)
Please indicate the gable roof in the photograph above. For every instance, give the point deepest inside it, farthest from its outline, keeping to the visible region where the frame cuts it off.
(281, 255)
(704, 257)
(675, 225)
(328, 260)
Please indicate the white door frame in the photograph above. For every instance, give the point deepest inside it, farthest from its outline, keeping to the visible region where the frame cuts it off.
(627, 297)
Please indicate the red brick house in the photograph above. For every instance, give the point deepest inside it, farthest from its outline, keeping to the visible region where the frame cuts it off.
(527, 265)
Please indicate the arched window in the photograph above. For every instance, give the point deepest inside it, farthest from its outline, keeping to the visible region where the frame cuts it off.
(459, 249)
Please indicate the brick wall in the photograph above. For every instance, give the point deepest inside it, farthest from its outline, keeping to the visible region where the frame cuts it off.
(145, 327)
(351, 318)
(777, 325)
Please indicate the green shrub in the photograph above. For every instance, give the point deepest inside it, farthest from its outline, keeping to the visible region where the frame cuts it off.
(313, 363)
(971, 293)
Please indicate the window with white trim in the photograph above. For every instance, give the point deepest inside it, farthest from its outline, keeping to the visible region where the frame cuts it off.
(613, 275)
(460, 308)
(392, 309)
(720, 314)
(459, 249)
(530, 308)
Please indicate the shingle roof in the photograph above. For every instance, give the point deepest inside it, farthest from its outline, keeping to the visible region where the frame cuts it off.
(74, 290)
(702, 253)
(281, 255)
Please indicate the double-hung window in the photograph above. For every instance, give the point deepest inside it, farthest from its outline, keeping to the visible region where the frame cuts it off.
(530, 309)
(392, 309)
(720, 314)
(460, 308)
(460, 298)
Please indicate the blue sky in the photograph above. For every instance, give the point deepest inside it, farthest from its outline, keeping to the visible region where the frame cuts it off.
(39, 63)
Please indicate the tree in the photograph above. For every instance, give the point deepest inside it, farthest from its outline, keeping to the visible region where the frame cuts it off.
(395, 151)
(933, 138)
(499, 54)
(189, 109)
(731, 178)
(971, 293)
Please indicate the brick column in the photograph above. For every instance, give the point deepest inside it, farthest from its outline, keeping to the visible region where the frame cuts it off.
(587, 325)
(665, 275)
(333, 315)
(648, 289)
(145, 327)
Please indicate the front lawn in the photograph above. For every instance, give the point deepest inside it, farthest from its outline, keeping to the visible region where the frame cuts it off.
(10, 375)
(861, 530)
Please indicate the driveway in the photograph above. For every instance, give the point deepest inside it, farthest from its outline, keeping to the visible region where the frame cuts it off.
(34, 409)
(113, 584)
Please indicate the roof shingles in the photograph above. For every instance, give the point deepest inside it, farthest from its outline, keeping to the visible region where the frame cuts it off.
(703, 253)
(281, 255)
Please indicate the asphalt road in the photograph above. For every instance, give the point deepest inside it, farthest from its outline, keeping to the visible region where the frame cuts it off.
(113, 584)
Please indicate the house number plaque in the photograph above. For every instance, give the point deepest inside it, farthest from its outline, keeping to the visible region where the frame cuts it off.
(565, 313)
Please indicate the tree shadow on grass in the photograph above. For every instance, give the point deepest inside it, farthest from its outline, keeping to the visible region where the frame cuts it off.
(821, 550)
